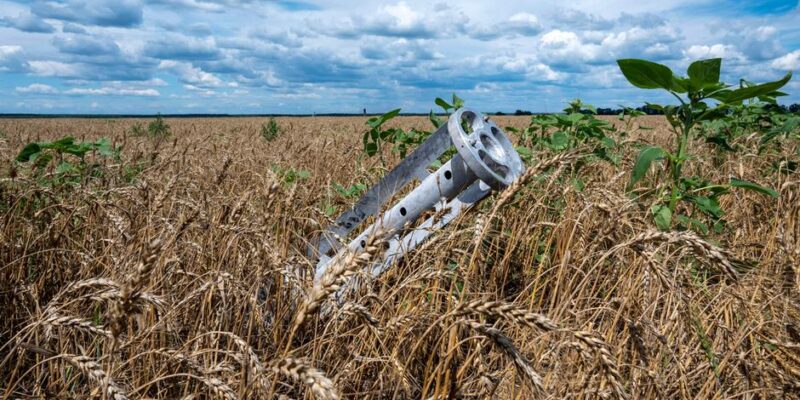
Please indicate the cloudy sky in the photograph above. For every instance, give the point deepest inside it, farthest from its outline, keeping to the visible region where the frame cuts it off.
(286, 56)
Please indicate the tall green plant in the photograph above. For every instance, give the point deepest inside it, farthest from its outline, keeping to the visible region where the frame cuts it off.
(701, 97)
(67, 158)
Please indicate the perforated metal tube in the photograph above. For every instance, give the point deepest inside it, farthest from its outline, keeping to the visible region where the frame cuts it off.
(441, 186)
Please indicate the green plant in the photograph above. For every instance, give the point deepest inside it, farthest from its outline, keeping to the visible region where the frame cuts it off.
(350, 192)
(68, 158)
(158, 128)
(402, 141)
(289, 175)
(138, 130)
(627, 116)
(695, 94)
(270, 130)
(563, 132)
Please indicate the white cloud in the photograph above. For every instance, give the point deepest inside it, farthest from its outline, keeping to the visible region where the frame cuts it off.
(108, 91)
(790, 61)
(8, 51)
(53, 68)
(191, 75)
(396, 20)
(37, 88)
(11, 58)
(728, 52)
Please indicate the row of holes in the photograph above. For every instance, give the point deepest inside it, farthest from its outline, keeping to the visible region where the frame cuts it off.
(447, 175)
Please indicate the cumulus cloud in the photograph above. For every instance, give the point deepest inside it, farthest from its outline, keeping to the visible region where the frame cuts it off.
(397, 20)
(72, 28)
(191, 75)
(37, 88)
(119, 13)
(11, 58)
(286, 37)
(400, 50)
(109, 91)
(85, 45)
(519, 24)
(27, 22)
(43, 89)
(53, 68)
(757, 44)
(728, 52)
(177, 47)
(789, 61)
(569, 50)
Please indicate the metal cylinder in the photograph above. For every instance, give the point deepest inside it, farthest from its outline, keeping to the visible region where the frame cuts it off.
(443, 185)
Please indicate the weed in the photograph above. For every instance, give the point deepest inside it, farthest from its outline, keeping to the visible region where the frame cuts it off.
(270, 130)
(698, 89)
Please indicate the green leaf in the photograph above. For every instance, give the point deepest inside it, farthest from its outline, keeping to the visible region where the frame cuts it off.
(572, 118)
(442, 103)
(749, 92)
(707, 205)
(60, 144)
(371, 149)
(662, 216)
(578, 184)
(524, 152)
(28, 152)
(457, 102)
(646, 75)
(389, 115)
(680, 85)
(434, 120)
(559, 140)
(739, 183)
(64, 168)
(704, 73)
(692, 223)
(643, 161)
(721, 142)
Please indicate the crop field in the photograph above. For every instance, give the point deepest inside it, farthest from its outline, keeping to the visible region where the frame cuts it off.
(167, 261)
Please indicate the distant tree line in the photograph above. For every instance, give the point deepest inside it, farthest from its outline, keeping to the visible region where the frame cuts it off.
(793, 108)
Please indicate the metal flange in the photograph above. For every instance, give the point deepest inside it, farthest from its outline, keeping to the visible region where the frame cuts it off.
(485, 149)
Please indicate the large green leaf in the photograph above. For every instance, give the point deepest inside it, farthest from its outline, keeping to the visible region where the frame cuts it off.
(749, 92)
(739, 183)
(29, 151)
(389, 115)
(61, 144)
(646, 74)
(646, 157)
(559, 140)
(704, 73)
(662, 216)
(442, 103)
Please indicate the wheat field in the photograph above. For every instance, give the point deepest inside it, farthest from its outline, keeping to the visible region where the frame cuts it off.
(179, 272)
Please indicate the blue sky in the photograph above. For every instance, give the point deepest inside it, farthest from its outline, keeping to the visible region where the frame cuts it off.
(304, 56)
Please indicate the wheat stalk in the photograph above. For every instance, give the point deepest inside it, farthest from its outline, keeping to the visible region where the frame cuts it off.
(314, 379)
(504, 343)
(91, 368)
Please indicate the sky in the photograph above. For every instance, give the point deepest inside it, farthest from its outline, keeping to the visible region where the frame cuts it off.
(313, 56)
